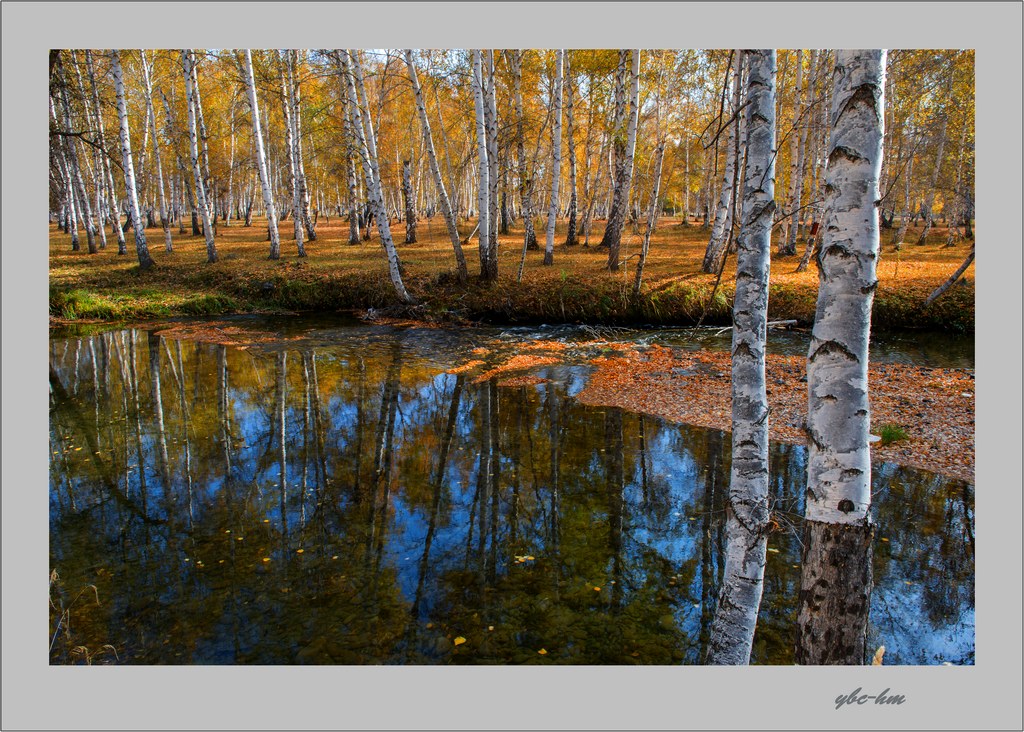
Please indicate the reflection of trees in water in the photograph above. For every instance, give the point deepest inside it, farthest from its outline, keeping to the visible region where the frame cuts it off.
(387, 474)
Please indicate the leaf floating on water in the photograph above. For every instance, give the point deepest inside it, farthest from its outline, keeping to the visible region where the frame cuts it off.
(459, 640)
(773, 550)
(266, 559)
(299, 551)
(529, 559)
(877, 659)
(543, 652)
(597, 589)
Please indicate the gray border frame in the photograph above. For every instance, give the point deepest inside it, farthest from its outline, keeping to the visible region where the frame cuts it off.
(37, 696)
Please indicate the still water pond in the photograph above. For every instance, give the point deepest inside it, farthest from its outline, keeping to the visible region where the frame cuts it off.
(335, 496)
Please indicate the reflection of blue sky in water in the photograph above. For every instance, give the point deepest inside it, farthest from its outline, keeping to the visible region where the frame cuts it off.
(652, 546)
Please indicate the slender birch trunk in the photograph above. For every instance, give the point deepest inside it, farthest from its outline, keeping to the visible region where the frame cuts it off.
(295, 99)
(732, 631)
(720, 228)
(941, 289)
(929, 197)
(483, 188)
(571, 239)
(145, 261)
(113, 212)
(84, 207)
(284, 59)
(796, 163)
(624, 178)
(96, 168)
(523, 171)
(164, 219)
(652, 217)
(188, 69)
(435, 169)
(261, 160)
(231, 206)
(491, 118)
(410, 202)
(362, 127)
(835, 583)
(556, 161)
(203, 140)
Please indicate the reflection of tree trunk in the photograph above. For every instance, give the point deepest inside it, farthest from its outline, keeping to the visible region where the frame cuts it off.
(133, 380)
(185, 426)
(158, 413)
(613, 460)
(494, 475)
(435, 505)
(554, 437)
(360, 421)
(643, 462)
(709, 583)
(385, 452)
(282, 454)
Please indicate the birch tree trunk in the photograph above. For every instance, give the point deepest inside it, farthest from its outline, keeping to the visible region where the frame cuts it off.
(363, 130)
(164, 219)
(75, 170)
(732, 631)
(835, 583)
(523, 171)
(287, 94)
(96, 169)
(295, 100)
(929, 196)
(410, 202)
(203, 140)
(556, 161)
(652, 217)
(187, 63)
(941, 289)
(491, 117)
(145, 261)
(624, 174)
(483, 188)
(571, 239)
(719, 230)
(796, 162)
(113, 212)
(261, 160)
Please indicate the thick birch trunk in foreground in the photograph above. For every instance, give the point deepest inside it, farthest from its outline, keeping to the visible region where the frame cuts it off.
(200, 190)
(483, 189)
(835, 583)
(732, 632)
(719, 229)
(145, 261)
(435, 169)
(363, 130)
(556, 162)
(261, 161)
(164, 220)
(624, 175)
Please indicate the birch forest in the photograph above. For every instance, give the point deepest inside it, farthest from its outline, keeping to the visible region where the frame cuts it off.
(584, 356)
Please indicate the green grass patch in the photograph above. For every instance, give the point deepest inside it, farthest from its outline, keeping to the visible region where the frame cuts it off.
(891, 433)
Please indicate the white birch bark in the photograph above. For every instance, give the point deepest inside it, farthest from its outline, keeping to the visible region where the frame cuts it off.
(261, 160)
(624, 178)
(164, 220)
(187, 63)
(556, 161)
(796, 169)
(289, 137)
(732, 631)
(929, 196)
(483, 188)
(435, 169)
(96, 167)
(832, 616)
(294, 85)
(113, 212)
(145, 261)
(719, 229)
(409, 199)
(363, 130)
(652, 217)
(491, 118)
(570, 236)
(203, 137)
(75, 170)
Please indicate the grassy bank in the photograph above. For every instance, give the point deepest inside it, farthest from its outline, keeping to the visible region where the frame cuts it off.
(339, 276)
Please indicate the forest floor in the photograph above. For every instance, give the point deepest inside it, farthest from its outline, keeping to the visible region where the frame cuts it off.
(929, 411)
(577, 288)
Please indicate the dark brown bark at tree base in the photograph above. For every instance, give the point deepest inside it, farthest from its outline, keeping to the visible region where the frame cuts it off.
(835, 594)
